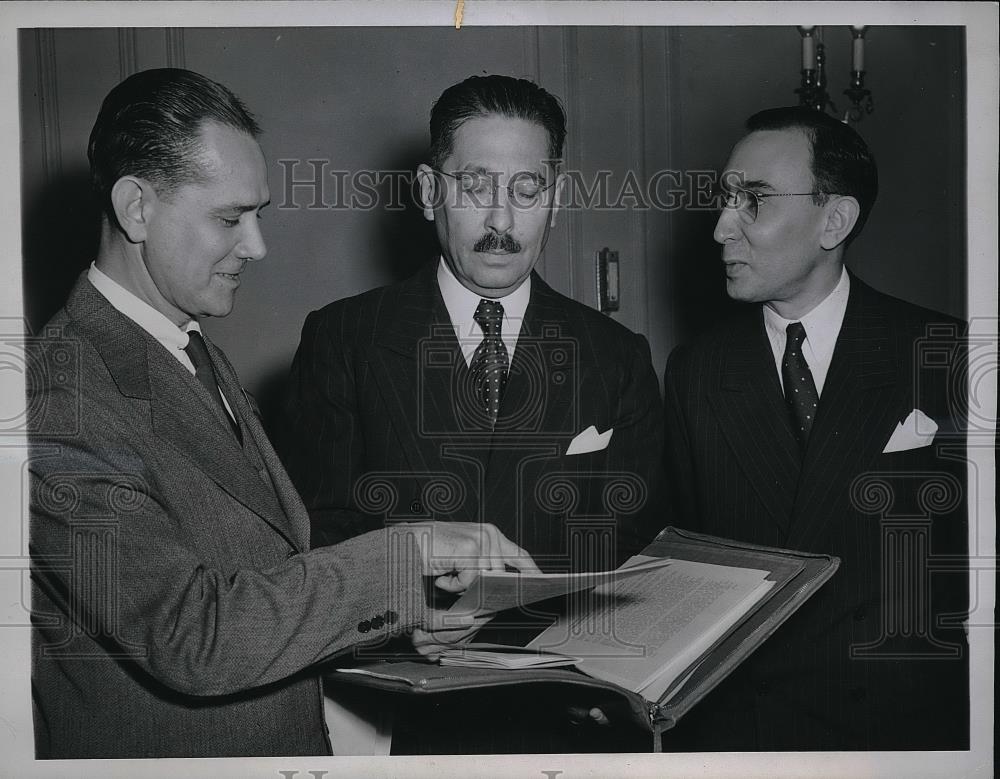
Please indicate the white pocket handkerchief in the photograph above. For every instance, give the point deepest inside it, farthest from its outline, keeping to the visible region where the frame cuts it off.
(590, 441)
(915, 431)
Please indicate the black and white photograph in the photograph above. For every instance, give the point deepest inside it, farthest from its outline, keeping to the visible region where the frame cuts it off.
(542, 389)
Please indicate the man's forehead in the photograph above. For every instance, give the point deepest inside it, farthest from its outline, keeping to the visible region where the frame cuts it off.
(775, 156)
(231, 165)
(495, 142)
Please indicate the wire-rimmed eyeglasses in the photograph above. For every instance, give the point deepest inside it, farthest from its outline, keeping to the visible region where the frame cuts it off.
(747, 203)
(524, 189)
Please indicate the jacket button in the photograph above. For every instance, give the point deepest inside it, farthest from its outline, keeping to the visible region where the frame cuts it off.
(860, 613)
(391, 617)
(417, 507)
(378, 623)
(859, 694)
(364, 626)
(762, 688)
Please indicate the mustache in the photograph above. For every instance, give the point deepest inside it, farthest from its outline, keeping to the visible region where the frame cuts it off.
(492, 242)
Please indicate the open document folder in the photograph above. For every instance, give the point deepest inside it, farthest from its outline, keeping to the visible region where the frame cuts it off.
(495, 591)
(644, 633)
(627, 640)
(644, 629)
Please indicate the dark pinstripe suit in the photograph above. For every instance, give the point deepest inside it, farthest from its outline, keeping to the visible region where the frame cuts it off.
(380, 425)
(864, 664)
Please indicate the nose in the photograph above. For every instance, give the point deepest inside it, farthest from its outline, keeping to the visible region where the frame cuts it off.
(252, 245)
(727, 228)
(500, 215)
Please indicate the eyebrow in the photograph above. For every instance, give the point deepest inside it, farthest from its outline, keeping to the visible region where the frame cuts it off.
(484, 171)
(756, 184)
(241, 208)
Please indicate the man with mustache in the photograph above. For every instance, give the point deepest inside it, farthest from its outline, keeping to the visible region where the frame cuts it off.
(474, 391)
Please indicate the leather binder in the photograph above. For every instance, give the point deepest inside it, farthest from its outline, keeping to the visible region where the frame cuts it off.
(797, 576)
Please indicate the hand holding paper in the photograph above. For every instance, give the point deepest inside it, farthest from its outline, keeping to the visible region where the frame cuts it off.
(456, 552)
(443, 632)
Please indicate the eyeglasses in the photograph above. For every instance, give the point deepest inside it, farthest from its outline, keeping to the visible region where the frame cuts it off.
(481, 188)
(747, 203)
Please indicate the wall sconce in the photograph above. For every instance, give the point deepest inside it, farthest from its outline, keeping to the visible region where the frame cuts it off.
(856, 92)
(812, 90)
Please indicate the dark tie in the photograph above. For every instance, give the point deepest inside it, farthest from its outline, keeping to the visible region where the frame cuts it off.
(205, 373)
(800, 389)
(489, 362)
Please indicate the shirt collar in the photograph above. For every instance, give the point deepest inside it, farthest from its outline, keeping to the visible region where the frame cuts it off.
(462, 303)
(822, 324)
(172, 337)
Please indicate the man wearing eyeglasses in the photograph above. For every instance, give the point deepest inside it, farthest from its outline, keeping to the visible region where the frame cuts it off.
(474, 391)
(826, 417)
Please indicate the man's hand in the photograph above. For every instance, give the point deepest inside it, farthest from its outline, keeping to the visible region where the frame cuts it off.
(581, 714)
(442, 631)
(455, 552)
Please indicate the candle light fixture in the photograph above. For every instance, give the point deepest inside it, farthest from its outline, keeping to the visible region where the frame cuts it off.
(856, 92)
(812, 89)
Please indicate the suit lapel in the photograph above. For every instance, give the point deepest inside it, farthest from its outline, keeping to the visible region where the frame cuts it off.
(292, 519)
(421, 375)
(754, 419)
(182, 414)
(858, 410)
(533, 400)
(537, 409)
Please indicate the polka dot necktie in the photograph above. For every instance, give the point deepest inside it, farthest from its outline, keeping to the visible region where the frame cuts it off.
(800, 389)
(489, 362)
(204, 372)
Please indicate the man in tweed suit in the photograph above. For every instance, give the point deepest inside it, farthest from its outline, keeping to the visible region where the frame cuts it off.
(474, 391)
(826, 417)
(176, 602)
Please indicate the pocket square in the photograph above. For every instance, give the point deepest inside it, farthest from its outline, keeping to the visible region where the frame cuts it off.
(590, 441)
(915, 431)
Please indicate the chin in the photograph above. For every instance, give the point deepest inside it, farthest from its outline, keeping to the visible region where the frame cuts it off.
(737, 292)
(220, 308)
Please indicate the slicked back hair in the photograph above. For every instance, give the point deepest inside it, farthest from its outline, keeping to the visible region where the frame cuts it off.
(149, 127)
(514, 98)
(842, 163)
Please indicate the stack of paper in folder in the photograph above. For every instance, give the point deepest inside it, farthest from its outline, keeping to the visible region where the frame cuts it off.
(502, 656)
(648, 633)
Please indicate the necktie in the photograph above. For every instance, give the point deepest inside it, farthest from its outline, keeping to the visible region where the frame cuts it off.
(489, 362)
(800, 389)
(205, 373)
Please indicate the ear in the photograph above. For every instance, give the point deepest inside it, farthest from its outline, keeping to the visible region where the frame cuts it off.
(428, 191)
(841, 216)
(560, 188)
(133, 200)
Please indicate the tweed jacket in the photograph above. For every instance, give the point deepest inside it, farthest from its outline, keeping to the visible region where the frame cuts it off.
(177, 605)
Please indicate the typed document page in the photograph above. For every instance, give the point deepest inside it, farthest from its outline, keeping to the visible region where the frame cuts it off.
(644, 632)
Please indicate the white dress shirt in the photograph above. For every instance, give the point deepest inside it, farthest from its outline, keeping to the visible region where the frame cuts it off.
(822, 326)
(173, 338)
(462, 303)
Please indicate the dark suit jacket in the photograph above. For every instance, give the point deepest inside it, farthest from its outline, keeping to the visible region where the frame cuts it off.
(380, 424)
(175, 601)
(877, 659)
